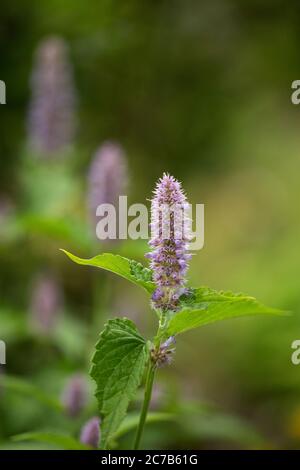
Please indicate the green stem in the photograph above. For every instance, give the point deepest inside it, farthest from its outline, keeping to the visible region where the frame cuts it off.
(146, 402)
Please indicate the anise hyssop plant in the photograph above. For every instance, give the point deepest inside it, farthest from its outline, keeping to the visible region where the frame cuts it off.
(123, 357)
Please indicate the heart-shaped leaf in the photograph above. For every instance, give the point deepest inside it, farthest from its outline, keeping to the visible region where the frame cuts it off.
(204, 305)
(131, 270)
(118, 366)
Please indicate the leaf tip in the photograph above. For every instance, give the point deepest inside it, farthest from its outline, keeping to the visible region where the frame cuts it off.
(69, 255)
(64, 251)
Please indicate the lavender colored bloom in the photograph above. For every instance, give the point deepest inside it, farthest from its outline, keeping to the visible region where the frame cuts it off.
(46, 303)
(107, 178)
(51, 119)
(74, 396)
(170, 234)
(90, 433)
(163, 354)
(171, 340)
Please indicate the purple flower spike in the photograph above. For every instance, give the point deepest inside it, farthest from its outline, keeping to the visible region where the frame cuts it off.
(90, 433)
(46, 303)
(51, 119)
(107, 176)
(75, 395)
(170, 234)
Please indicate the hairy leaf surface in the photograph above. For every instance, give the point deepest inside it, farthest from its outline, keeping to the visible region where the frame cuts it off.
(118, 366)
(204, 305)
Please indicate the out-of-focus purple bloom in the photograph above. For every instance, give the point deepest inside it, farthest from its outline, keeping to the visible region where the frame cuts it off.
(51, 119)
(107, 177)
(90, 433)
(170, 234)
(46, 303)
(74, 395)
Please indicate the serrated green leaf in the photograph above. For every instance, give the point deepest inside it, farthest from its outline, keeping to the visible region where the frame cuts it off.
(131, 270)
(205, 305)
(118, 366)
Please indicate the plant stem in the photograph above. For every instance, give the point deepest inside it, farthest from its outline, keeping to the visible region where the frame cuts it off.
(146, 402)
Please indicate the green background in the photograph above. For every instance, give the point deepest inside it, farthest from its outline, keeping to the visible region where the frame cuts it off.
(200, 89)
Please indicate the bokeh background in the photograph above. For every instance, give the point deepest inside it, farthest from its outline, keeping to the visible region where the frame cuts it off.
(199, 89)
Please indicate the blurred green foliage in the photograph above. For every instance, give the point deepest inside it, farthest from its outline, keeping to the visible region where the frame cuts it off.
(200, 89)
